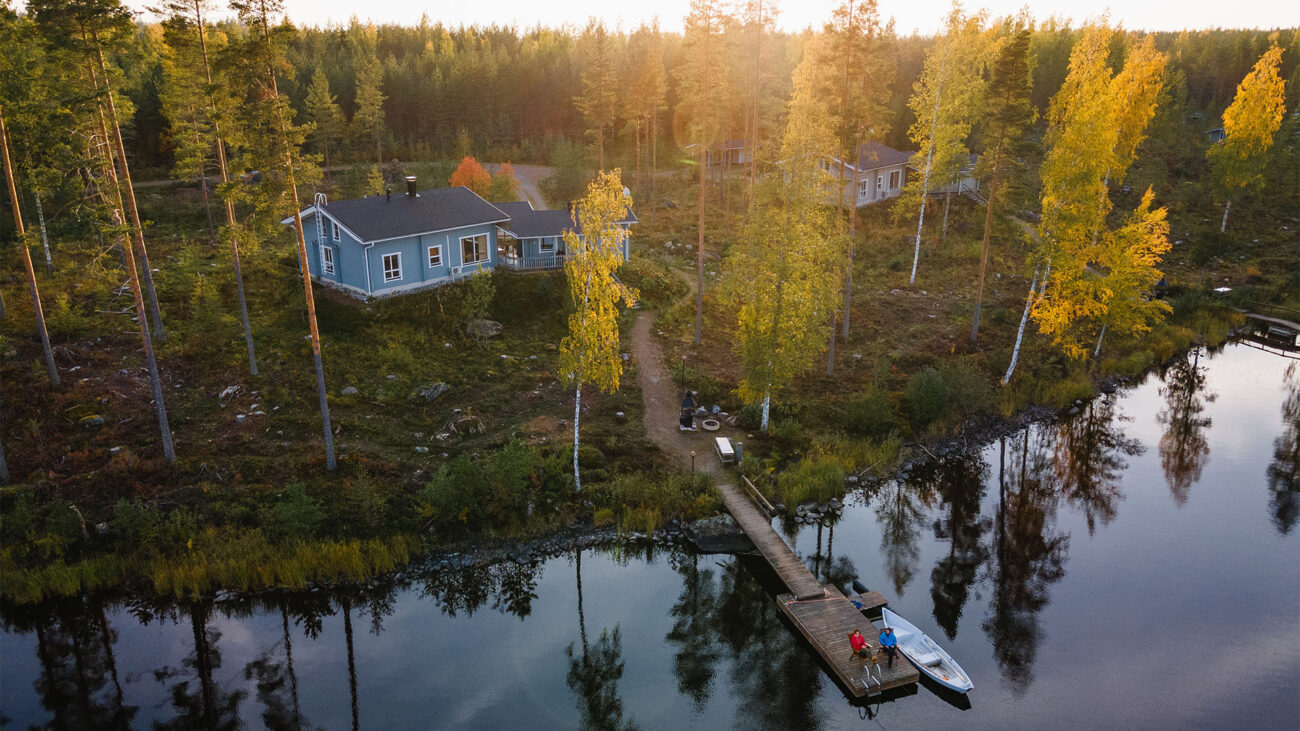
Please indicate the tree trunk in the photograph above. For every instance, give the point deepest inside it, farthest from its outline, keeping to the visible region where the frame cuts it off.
(830, 348)
(1224, 225)
(984, 255)
(37, 311)
(925, 181)
(230, 206)
(1097, 350)
(4, 466)
(600, 145)
(767, 411)
(848, 272)
(124, 185)
(654, 156)
(207, 204)
(699, 254)
(45, 236)
(947, 201)
(577, 417)
(1020, 334)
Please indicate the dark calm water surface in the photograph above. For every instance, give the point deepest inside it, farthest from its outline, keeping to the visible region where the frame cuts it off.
(1137, 566)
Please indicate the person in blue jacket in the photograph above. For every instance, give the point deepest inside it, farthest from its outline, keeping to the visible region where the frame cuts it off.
(889, 643)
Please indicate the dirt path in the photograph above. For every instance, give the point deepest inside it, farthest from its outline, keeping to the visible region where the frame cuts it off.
(662, 399)
(530, 181)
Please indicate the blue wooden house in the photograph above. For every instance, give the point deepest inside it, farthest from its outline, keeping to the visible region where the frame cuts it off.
(382, 245)
(534, 239)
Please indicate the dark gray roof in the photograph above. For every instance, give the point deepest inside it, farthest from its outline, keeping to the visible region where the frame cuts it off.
(526, 223)
(378, 218)
(872, 155)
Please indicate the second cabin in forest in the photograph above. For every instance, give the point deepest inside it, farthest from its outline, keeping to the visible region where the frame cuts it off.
(388, 244)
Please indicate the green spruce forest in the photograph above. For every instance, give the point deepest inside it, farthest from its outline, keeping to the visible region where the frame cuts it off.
(180, 412)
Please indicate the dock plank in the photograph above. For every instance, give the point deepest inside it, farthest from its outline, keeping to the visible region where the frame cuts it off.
(822, 614)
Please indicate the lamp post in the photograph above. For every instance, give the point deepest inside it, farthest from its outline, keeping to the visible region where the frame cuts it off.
(683, 370)
(692, 461)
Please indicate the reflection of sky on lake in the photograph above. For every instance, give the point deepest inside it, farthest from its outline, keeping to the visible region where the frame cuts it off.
(1167, 614)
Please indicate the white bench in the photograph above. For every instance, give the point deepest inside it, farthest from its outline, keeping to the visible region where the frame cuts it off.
(722, 446)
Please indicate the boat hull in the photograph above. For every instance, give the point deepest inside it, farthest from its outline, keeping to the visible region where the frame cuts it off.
(926, 655)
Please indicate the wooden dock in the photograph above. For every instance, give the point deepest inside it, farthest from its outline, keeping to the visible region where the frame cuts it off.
(821, 613)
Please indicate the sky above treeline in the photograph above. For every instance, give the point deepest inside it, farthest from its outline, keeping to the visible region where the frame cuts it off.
(922, 16)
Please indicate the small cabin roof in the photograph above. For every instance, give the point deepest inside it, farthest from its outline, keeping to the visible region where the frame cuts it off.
(527, 223)
(380, 218)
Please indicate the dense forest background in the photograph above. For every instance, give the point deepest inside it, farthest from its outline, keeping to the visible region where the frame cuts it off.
(501, 93)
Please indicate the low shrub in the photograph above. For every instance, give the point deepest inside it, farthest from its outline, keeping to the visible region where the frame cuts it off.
(813, 478)
(869, 414)
(926, 397)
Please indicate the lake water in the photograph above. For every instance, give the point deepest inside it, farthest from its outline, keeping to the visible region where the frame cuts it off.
(1136, 566)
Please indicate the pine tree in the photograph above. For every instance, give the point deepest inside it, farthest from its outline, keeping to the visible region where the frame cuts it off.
(369, 118)
(271, 120)
(590, 352)
(82, 28)
(23, 244)
(1008, 117)
(323, 112)
(205, 102)
(599, 100)
(855, 78)
(700, 84)
(1249, 126)
(784, 276)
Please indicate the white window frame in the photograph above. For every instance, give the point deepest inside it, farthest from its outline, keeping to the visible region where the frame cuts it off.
(895, 177)
(546, 245)
(392, 274)
(487, 255)
(880, 183)
(327, 259)
(334, 230)
(435, 256)
(862, 188)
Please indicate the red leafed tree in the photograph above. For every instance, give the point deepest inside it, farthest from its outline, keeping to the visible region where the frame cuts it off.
(471, 175)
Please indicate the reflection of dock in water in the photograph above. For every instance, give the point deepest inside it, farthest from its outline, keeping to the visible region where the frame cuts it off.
(821, 613)
(1272, 331)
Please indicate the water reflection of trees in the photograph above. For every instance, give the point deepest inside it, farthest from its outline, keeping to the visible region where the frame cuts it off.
(1028, 553)
(1184, 449)
(959, 484)
(1283, 473)
(696, 645)
(902, 507)
(78, 682)
(1089, 459)
(510, 587)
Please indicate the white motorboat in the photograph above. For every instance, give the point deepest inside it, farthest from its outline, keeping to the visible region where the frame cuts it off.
(926, 654)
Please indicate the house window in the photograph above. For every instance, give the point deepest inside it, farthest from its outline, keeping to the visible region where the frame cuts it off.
(435, 256)
(474, 249)
(547, 246)
(862, 189)
(392, 267)
(880, 183)
(893, 180)
(326, 260)
(334, 229)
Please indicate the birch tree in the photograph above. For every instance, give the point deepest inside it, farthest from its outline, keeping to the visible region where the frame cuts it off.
(1095, 123)
(1249, 125)
(1008, 116)
(945, 100)
(270, 119)
(590, 352)
(700, 82)
(785, 275)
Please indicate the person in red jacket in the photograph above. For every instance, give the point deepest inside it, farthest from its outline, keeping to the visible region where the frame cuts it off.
(858, 643)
